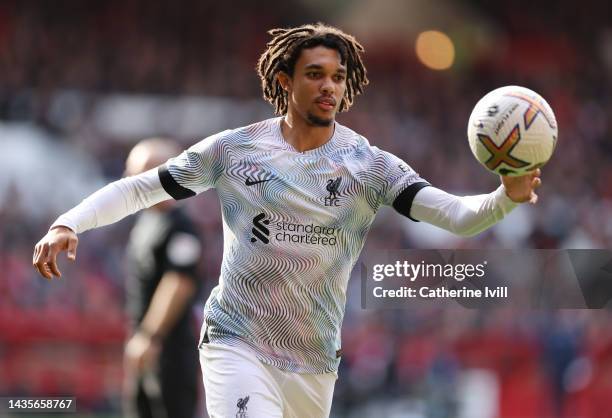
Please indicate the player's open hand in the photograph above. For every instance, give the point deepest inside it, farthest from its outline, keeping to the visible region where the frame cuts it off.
(522, 189)
(141, 353)
(45, 252)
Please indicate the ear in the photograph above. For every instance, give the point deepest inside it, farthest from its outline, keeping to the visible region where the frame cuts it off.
(284, 80)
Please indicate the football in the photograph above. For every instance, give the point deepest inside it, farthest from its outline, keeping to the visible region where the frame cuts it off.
(512, 131)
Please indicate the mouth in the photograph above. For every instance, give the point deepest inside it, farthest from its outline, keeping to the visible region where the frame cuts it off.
(326, 103)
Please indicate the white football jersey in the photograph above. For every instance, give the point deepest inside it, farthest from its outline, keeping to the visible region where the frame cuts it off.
(294, 224)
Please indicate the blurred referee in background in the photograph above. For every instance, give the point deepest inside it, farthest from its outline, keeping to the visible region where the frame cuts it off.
(161, 360)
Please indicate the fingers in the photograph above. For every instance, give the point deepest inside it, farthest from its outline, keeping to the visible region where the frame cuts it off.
(72, 248)
(139, 354)
(45, 260)
(131, 364)
(46, 251)
(536, 182)
(535, 174)
(36, 254)
(52, 260)
(40, 254)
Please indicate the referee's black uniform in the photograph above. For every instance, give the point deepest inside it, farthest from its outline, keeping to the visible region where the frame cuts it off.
(163, 241)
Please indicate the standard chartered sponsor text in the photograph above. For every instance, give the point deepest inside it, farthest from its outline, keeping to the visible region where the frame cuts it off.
(306, 233)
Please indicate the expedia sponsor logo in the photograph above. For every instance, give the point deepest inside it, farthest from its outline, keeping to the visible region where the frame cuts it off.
(290, 232)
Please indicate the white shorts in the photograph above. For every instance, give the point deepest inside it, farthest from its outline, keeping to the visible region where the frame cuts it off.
(238, 384)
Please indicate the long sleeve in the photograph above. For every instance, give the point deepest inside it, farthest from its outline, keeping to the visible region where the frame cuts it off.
(462, 215)
(114, 202)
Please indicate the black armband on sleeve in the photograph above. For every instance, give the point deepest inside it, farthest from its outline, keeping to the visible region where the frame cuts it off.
(170, 185)
(403, 202)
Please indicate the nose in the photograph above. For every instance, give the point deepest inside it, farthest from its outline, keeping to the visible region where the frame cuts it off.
(327, 86)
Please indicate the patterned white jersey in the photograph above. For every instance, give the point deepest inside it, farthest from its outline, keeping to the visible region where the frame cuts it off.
(294, 224)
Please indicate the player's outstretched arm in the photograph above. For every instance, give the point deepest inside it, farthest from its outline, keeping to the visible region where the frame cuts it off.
(470, 215)
(106, 206)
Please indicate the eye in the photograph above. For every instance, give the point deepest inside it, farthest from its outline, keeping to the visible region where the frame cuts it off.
(313, 74)
(339, 77)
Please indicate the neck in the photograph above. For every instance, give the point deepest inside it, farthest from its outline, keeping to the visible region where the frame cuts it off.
(302, 135)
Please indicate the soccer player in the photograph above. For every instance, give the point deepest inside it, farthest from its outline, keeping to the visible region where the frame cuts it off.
(299, 193)
(161, 365)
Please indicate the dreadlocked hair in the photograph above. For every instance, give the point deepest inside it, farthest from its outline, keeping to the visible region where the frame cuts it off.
(284, 50)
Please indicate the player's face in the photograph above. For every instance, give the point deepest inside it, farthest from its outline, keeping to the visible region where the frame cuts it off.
(317, 86)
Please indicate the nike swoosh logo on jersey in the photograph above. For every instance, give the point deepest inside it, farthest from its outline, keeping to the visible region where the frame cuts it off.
(250, 182)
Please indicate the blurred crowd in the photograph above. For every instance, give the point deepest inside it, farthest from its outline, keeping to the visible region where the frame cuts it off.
(66, 337)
